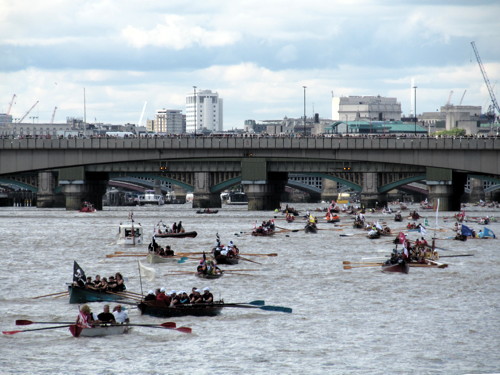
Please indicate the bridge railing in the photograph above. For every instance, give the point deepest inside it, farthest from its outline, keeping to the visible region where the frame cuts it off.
(255, 143)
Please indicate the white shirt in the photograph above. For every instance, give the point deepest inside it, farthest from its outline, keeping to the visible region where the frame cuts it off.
(120, 316)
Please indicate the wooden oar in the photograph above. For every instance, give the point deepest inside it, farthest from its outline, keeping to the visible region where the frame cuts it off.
(262, 255)
(366, 265)
(456, 255)
(34, 329)
(287, 230)
(136, 298)
(265, 307)
(244, 270)
(249, 260)
(167, 325)
(125, 255)
(23, 322)
(49, 295)
(348, 262)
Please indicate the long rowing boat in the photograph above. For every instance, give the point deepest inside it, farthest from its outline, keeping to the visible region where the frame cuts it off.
(155, 258)
(191, 234)
(83, 295)
(159, 309)
(97, 331)
(402, 267)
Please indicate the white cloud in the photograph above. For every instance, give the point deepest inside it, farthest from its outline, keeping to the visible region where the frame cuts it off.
(178, 32)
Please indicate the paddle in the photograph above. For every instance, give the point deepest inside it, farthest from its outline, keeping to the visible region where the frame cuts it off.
(249, 260)
(366, 265)
(262, 255)
(167, 325)
(49, 295)
(348, 262)
(34, 329)
(456, 255)
(265, 307)
(125, 255)
(22, 322)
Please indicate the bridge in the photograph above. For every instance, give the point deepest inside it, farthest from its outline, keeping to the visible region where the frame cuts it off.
(371, 165)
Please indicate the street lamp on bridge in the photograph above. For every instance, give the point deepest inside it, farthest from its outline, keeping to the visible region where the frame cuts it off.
(415, 107)
(194, 109)
(304, 109)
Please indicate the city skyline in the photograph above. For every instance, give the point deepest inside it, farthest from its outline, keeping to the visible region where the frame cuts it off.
(258, 58)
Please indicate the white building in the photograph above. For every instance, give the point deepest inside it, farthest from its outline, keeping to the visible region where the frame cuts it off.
(355, 108)
(170, 121)
(204, 109)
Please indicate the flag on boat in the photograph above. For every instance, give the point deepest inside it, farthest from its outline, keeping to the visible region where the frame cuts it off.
(466, 231)
(78, 275)
(422, 230)
(378, 226)
(148, 272)
(487, 233)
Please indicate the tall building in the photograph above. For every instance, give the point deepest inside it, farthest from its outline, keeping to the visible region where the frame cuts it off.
(204, 110)
(355, 108)
(170, 121)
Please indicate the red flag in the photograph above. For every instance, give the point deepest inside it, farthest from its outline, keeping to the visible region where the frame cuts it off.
(401, 237)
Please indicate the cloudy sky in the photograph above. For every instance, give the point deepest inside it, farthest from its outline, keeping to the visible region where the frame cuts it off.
(256, 54)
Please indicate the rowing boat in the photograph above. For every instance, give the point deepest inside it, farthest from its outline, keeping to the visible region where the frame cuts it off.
(191, 234)
(159, 309)
(99, 331)
(155, 258)
(83, 295)
(402, 267)
(209, 275)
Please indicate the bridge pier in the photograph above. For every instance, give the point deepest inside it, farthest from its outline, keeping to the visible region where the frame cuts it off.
(266, 195)
(329, 191)
(202, 196)
(476, 190)
(46, 196)
(447, 186)
(78, 186)
(370, 196)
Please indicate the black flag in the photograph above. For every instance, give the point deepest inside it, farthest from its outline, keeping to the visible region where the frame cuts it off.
(78, 275)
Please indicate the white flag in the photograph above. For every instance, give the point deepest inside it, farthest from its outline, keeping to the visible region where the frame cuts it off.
(423, 231)
(148, 272)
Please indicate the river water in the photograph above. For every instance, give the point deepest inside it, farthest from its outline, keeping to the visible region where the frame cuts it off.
(359, 321)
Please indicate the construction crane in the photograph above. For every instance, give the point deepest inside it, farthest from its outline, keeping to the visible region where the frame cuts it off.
(29, 110)
(10, 105)
(487, 81)
(53, 115)
(462, 98)
(449, 98)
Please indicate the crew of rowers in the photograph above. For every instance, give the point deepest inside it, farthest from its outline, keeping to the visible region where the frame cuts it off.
(173, 298)
(86, 318)
(265, 227)
(419, 252)
(153, 247)
(230, 250)
(176, 228)
(111, 284)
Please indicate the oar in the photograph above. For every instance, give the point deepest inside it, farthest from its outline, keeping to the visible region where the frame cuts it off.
(244, 270)
(34, 329)
(49, 295)
(262, 255)
(167, 325)
(265, 307)
(258, 302)
(456, 255)
(136, 298)
(288, 230)
(249, 260)
(22, 322)
(367, 265)
(348, 262)
(125, 255)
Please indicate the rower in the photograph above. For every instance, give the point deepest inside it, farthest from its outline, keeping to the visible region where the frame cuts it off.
(121, 316)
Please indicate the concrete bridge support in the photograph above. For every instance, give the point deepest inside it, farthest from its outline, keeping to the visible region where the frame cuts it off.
(476, 190)
(178, 194)
(447, 186)
(46, 197)
(329, 191)
(266, 195)
(370, 196)
(202, 196)
(77, 187)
